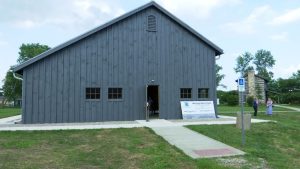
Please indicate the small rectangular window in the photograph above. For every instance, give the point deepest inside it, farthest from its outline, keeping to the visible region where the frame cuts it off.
(185, 93)
(114, 93)
(92, 93)
(202, 93)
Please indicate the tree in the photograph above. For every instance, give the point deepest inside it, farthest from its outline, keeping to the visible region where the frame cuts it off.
(296, 75)
(30, 50)
(263, 60)
(219, 76)
(289, 89)
(243, 63)
(12, 87)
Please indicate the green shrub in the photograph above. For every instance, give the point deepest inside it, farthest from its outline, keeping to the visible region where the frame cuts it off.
(290, 98)
(232, 99)
(250, 100)
(222, 96)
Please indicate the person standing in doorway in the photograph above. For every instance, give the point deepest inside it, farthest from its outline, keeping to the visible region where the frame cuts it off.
(150, 105)
(269, 106)
(255, 106)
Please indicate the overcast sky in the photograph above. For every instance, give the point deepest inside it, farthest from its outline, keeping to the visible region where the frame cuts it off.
(234, 25)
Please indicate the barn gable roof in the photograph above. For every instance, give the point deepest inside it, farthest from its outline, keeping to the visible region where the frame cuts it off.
(218, 50)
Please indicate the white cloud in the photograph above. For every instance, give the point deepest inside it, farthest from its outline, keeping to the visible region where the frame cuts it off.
(195, 8)
(69, 13)
(279, 37)
(288, 17)
(248, 24)
(25, 23)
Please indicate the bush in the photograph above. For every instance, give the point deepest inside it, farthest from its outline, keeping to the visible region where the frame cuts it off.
(290, 98)
(222, 96)
(232, 100)
(250, 101)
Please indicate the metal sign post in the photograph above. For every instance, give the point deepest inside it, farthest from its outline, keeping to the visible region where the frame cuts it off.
(241, 83)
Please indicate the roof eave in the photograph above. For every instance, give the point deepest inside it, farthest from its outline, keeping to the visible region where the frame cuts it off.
(19, 68)
(84, 35)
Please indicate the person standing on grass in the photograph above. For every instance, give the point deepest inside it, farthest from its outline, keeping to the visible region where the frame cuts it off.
(255, 106)
(269, 106)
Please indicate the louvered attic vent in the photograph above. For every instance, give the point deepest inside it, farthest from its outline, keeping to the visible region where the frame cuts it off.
(151, 23)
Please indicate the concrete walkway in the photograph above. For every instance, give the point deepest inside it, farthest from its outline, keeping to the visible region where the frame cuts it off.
(288, 107)
(190, 142)
(8, 124)
(10, 120)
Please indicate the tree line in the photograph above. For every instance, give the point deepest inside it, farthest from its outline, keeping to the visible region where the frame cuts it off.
(12, 87)
(280, 90)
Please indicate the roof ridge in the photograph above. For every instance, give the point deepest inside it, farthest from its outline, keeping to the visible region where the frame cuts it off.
(20, 67)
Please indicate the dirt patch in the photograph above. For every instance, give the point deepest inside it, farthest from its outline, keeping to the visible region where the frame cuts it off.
(240, 162)
(237, 162)
(85, 148)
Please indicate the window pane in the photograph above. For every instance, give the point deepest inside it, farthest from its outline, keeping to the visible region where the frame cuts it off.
(185, 93)
(203, 93)
(119, 96)
(114, 93)
(92, 93)
(87, 96)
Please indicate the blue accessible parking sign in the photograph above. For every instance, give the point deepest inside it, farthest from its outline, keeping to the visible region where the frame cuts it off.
(241, 82)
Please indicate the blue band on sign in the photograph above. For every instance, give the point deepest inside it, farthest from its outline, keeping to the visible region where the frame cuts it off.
(241, 81)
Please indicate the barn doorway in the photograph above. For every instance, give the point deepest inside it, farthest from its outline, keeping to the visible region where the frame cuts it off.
(153, 99)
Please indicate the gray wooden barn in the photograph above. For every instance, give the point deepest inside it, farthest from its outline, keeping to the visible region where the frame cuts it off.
(103, 74)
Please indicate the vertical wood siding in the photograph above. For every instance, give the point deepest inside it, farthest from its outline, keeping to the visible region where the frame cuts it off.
(122, 55)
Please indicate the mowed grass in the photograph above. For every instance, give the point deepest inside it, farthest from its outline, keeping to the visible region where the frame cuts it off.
(7, 112)
(106, 148)
(248, 109)
(268, 145)
(294, 105)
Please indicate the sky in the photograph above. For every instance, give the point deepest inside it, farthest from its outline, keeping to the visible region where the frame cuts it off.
(236, 26)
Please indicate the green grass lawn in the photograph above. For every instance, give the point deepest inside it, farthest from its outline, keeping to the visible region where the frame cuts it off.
(106, 148)
(293, 105)
(7, 112)
(268, 145)
(234, 109)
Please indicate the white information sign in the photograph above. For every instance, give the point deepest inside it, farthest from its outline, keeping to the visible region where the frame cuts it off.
(197, 109)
